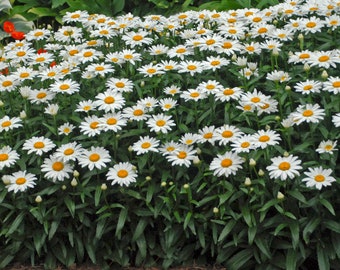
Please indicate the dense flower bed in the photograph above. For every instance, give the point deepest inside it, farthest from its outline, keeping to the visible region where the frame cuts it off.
(237, 111)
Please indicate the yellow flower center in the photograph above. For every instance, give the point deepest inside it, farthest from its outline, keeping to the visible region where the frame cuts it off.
(247, 107)
(307, 113)
(66, 130)
(6, 124)
(104, 32)
(94, 125)
(137, 37)
(39, 145)
(87, 108)
(38, 34)
(227, 45)
(264, 138)
(215, 63)
(41, 95)
(145, 145)
(304, 56)
(191, 67)
(3, 157)
(51, 74)
(245, 144)
(99, 68)
(122, 173)
(289, 11)
(170, 148)
(120, 84)
(232, 31)
(227, 134)
(111, 121)
(228, 92)
(210, 87)
(21, 54)
(310, 24)
(232, 20)
(336, 84)
(40, 59)
(20, 181)
(160, 123)
(248, 13)
(215, 15)
(201, 31)
(262, 30)
(101, 20)
(284, 166)
(308, 87)
(182, 16)
(208, 135)
(168, 67)
(181, 50)
(328, 147)
(257, 19)
(92, 42)
(64, 87)
(227, 162)
(182, 155)
(323, 58)
(319, 178)
(138, 112)
(194, 94)
(109, 100)
(167, 106)
(94, 157)
(151, 70)
(250, 48)
(68, 151)
(24, 75)
(75, 16)
(7, 83)
(58, 166)
(255, 99)
(210, 42)
(88, 54)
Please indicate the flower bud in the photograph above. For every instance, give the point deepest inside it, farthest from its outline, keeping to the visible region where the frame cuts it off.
(74, 182)
(286, 154)
(280, 196)
(103, 187)
(1, 103)
(267, 127)
(6, 179)
(38, 199)
(76, 173)
(142, 83)
(186, 186)
(198, 151)
(216, 210)
(324, 75)
(148, 178)
(301, 37)
(306, 67)
(261, 172)
(288, 88)
(252, 162)
(247, 182)
(171, 183)
(23, 115)
(196, 161)
(130, 149)
(63, 187)
(277, 118)
(163, 184)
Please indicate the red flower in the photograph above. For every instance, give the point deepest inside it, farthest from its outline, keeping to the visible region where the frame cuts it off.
(18, 35)
(5, 71)
(54, 63)
(8, 27)
(41, 50)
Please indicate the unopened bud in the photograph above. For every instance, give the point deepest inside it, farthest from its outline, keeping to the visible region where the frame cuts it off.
(288, 88)
(130, 149)
(38, 199)
(277, 118)
(76, 173)
(186, 186)
(6, 179)
(23, 115)
(216, 210)
(142, 83)
(285, 154)
(148, 178)
(198, 151)
(63, 187)
(103, 187)
(261, 172)
(280, 196)
(324, 74)
(301, 37)
(1, 103)
(267, 127)
(74, 182)
(171, 183)
(163, 184)
(252, 162)
(306, 67)
(196, 160)
(247, 182)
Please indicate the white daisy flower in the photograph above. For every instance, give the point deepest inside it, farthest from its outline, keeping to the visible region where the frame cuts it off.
(20, 181)
(227, 164)
(122, 173)
(8, 157)
(38, 145)
(327, 147)
(56, 169)
(95, 157)
(318, 177)
(284, 167)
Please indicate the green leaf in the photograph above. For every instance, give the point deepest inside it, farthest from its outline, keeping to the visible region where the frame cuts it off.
(226, 230)
(239, 259)
(295, 230)
(121, 221)
(118, 6)
(262, 244)
(43, 12)
(310, 227)
(246, 215)
(16, 223)
(279, 228)
(297, 195)
(267, 205)
(201, 236)
(328, 205)
(57, 3)
(91, 251)
(251, 234)
(53, 228)
(101, 224)
(70, 205)
(187, 220)
(97, 196)
(139, 229)
(332, 225)
(5, 260)
(291, 259)
(323, 260)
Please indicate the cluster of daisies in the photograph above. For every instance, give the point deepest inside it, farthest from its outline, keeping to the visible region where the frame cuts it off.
(62, 92)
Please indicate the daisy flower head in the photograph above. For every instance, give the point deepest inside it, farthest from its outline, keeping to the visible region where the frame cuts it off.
(180, 51)
(169, 147)
(215, 62)
(264, 138)
(229, 93)
(183, 156)
(311, 25)
(95, 157)
(243, 144)
(103, 32)
(151, 70)
(120, 85)
(193, 94)
(112, 122)
(65, 129)
(172, 90)
(168, 65)
(114, 58)
(210, 42)
(300, 57)
(307, 87)
(310, 113)
(284, 167)
(327, 147)
(7, 123)
(136, 112)
(25, 73)
(90, 126)
(332, 85)
(8, 157)
(41, 96)
(255, 98)
(69, 151)
(318, 177)
(38, 145)
(160, 123)
(227, 164)
(52, 109)
(278, 76)
(227, 133)
(145, 144)
(20, 181)
(324, 59)
(99, 69)
(229, 47)
(211, 86)
(167, 104)
(207, 134)
(86, 106)
(148, 102)
(75, 16)
(137, 38)
(8, 83)
(131, 56)
(158, 49)
(89, 55)
(122, 174)
(65, 86)
(190, 66)
(189, 138)
(56, 169)
(270, 106)
(336, 120)
(109, 101)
